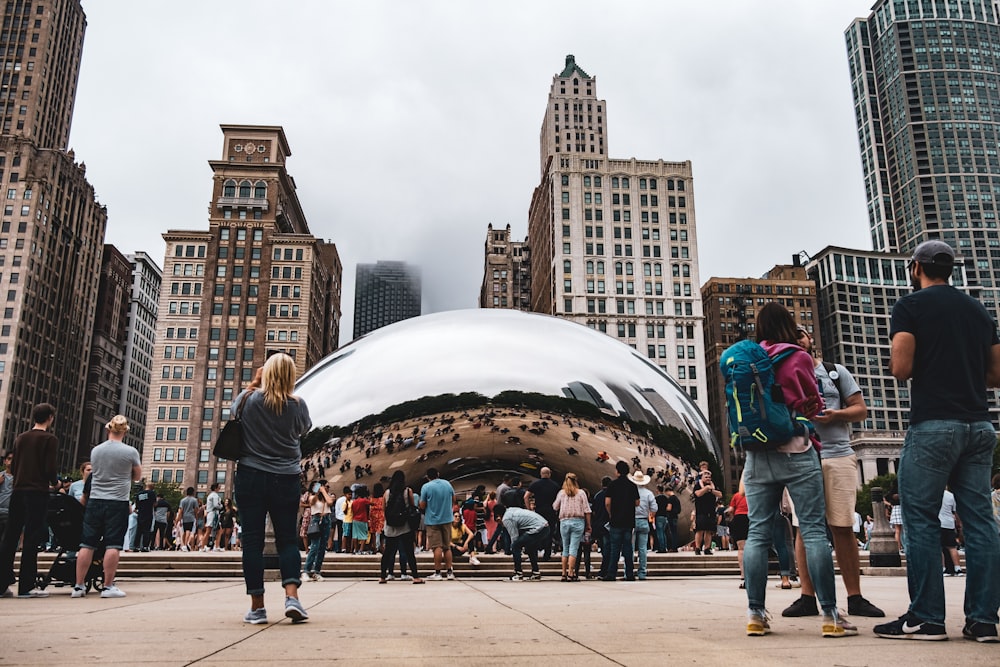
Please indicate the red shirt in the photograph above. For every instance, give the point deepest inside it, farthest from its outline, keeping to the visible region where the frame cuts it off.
(739, 504)
(359, 508)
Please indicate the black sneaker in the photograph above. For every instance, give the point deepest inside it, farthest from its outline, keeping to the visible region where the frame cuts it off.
(804, 606)
(859, 606)
(980, 632)
(908, 626)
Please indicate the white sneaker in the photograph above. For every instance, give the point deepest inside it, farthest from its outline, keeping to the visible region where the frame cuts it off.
(112, 591)
(450, 576)
(317, 577)
(34, 593)
(185, 547)
(78, 592)
(406, 577)
(389, 577)
(435, 577)
(474, 560)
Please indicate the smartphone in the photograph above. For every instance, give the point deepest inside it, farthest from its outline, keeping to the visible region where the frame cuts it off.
(315, 487)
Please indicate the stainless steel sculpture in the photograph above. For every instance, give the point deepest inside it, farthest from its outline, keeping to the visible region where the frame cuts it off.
(476, 393)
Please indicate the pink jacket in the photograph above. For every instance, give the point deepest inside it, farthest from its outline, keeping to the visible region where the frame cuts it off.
(797, 378)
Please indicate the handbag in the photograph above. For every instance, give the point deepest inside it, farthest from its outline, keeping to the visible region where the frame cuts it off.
(412, 514)
(314, 524)
(229, 444)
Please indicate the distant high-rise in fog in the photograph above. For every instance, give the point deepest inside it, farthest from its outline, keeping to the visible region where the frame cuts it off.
(385, 292)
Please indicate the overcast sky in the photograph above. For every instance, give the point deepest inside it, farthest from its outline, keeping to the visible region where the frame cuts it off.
(413, 124)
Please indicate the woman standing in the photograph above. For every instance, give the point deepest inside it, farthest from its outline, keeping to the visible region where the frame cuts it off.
(320, 502)
(267, 482)
(399, 536)
(574, 519)
(740, 525)
(376, 517)
(226, 523)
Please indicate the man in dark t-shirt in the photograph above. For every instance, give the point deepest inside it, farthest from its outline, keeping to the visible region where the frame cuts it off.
(34, 470)
(946, 344)
(661, 520)
(544, 492)
(673, 512)
(145, 500)
(621, 499)
(705, 495)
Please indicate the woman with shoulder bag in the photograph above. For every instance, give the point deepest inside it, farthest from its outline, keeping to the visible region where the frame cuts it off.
(267, 483)
(398, 533)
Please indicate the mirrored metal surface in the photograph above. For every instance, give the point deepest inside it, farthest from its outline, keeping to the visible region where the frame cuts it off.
(476, 393)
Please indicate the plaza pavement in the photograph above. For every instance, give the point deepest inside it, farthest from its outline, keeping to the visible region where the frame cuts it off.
(691, 620)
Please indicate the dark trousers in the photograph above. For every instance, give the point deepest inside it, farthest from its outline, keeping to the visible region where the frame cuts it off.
(259, 494)
(404, 545)
(144, 528)
(27, 514)
(160, 534)
(499, 536)
(531, 543)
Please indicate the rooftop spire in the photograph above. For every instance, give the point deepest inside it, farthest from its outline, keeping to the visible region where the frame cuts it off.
(572, 67)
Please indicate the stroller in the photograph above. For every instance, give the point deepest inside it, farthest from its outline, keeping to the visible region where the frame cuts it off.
(65, 519)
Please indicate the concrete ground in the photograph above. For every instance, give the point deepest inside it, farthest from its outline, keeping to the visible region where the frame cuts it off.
(696, 620)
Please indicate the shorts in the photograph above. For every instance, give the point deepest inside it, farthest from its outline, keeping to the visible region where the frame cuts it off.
(439, 536)
(346, 530)
(739, 528)
(359, 531)
(722, 531)
(948, 538)
(705, 522)
(107, 520)
(840, 486)
(188, 526)
(896, 516)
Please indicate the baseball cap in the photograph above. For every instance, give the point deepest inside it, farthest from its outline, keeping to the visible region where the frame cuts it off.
(934, 252)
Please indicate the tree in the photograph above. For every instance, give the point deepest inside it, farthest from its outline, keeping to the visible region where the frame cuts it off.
(886, 482)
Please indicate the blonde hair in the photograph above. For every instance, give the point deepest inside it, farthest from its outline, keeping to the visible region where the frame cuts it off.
(278, 381)
(118, 424)
(570, 485)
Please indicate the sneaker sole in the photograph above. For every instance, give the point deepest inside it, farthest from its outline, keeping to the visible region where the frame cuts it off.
(926, 638)
(841, 632)
(982, 640)
(256, 621)
(296, 615)
(757, 631)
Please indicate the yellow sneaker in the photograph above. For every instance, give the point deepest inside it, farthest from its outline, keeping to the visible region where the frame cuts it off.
(757, 623)
(835, 625)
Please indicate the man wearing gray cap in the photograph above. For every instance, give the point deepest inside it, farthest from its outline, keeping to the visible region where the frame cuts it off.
(946, 344)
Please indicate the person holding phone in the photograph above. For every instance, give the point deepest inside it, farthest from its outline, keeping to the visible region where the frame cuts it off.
(320, 505)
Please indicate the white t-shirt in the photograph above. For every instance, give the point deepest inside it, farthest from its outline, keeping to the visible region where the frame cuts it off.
(947, 514)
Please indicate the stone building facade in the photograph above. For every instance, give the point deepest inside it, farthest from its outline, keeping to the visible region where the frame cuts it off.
(506, 273)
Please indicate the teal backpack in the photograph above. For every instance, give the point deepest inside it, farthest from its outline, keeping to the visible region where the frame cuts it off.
(758, 416)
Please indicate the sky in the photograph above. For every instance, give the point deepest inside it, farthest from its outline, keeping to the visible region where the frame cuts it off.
(413, 124)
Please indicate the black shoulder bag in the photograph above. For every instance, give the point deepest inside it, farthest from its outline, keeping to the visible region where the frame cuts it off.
(229, 444)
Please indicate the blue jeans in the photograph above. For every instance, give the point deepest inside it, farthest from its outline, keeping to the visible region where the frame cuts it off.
(958, 454)
(621, 546)
(572, 532)
(765, 475)
(317, 546)
(782, 537)
(675, 541)
(661, 534)
(259, 494)
(642, 544)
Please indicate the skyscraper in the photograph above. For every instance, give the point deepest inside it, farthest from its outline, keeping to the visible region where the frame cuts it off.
(52, 228)
(506, 272)
(385, 292)
(613, 242)
(926, 82)
(255, 282)
(139, 347)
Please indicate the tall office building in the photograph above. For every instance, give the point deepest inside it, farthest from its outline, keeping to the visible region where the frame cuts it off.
(730, 306)
(137, 372)
(506, 272)
(385, 292)
(926, 82)
(52, 228)
(107, 349)
(613, 241)
(255, 282)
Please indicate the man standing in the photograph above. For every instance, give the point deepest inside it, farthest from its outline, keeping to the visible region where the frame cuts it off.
(620, 502)
(673, 512)
(946, 343)
(213, 512)
(437, 497)
(187, 509)
(645, 511)
(844, 405)
(528, 531)
(599, 533)
(705, 495)
(34, 471)
(660, 520)
(116, 466)
(145, 501)
(544, 492)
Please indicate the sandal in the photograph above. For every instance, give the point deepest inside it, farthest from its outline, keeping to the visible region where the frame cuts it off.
(574, 578)
(786, 587)
(564, 578)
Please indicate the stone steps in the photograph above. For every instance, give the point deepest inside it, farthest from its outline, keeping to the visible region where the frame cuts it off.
(174, 564)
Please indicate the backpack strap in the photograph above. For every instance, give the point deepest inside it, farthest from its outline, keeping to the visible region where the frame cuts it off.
(831, 370)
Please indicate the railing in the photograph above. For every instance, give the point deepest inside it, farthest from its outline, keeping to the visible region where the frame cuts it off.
(250, 202)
